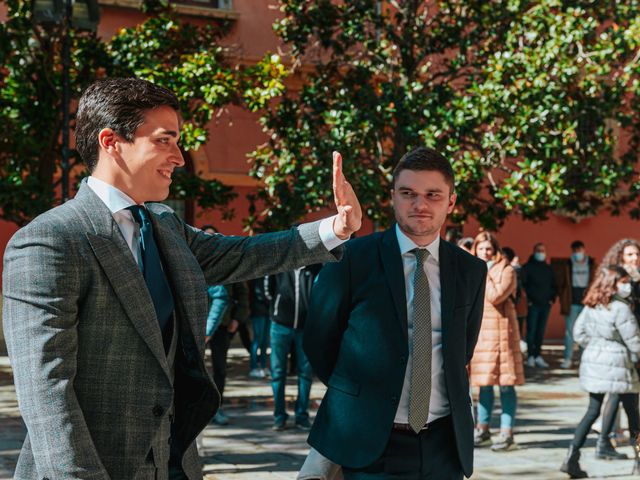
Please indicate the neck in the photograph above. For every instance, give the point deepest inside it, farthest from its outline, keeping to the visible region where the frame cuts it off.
(116, 181)
(421, 240)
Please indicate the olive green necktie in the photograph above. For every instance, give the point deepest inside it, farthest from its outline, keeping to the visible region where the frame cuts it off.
(420, 386)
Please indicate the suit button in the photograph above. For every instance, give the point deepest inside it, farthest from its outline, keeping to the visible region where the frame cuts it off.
(394, 399)
(158, 411)
(403, 359)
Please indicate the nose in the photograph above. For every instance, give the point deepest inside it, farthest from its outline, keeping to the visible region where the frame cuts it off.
(177, 158)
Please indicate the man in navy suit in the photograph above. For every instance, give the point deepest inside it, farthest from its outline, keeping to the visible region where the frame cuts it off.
(390, 331)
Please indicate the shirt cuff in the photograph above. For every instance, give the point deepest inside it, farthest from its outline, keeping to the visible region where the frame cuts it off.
(328, 237)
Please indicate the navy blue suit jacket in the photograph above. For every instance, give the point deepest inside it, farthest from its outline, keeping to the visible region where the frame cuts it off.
(356, 340)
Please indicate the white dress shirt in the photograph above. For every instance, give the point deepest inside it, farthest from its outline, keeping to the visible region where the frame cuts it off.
(117, 202)
(439, 403)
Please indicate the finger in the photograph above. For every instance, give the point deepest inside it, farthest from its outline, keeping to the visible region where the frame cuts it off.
(338, 178)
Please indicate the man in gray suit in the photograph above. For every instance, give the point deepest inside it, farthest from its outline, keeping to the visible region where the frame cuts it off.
(105, 299)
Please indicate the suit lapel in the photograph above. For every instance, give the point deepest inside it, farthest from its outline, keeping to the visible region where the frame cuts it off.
(394, 275)
(179, 265)
(447, 289)
(118, 264)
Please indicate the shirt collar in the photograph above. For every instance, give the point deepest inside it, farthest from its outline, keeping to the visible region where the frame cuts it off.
(406, 245)
(115, 199)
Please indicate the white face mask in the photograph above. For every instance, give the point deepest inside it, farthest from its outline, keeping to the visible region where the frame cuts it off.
(540, 256)
(578, 256)
(624, 290)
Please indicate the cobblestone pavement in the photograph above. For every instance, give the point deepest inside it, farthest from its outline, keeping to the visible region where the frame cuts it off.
(550, 406)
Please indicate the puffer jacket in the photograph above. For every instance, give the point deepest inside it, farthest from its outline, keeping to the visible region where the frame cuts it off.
(609, 335)
(497, 359)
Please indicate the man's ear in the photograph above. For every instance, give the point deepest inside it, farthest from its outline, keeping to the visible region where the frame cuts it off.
(108, 140)
(452, 202)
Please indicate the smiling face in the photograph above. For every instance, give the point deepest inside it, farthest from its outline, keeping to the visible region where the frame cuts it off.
(142, 168)
(422, 199)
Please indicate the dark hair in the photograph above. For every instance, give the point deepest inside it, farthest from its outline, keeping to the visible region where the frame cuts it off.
(119, 104)
(423, 158)
(466, 242)
(614, 254)
(577, 245)
(487, 237)
(509, 253)
(539, 244)
(604, 286)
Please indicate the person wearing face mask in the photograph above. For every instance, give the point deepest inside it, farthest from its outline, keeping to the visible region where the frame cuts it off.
(540, 286)
(573, 276)
(608, 331)
(625, 253)
(497, 360)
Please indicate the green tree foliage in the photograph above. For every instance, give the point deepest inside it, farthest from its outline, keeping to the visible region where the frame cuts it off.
(523, 96)
(164, 49)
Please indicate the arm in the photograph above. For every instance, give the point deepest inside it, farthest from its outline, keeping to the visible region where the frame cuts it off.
(627, 325)
(230, 259)
(497, 292)
(42, 290)
(474, 320)
(580, 331)
(327, 317)
(219, 303)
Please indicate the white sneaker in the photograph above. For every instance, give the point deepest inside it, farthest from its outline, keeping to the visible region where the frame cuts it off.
(566, 364)
(540, 362)
(531, 362)
(256, 373)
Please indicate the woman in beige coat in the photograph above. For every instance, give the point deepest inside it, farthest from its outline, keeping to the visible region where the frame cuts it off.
(497, 359)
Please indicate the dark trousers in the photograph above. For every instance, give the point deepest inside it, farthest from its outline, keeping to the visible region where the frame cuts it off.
(431, 454)
(537, 317)
(219, 344)
(630, 404)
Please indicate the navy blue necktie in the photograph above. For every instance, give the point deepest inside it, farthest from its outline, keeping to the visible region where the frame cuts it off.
(152, 270)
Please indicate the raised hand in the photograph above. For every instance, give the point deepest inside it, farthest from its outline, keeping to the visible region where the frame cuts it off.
(349, 218)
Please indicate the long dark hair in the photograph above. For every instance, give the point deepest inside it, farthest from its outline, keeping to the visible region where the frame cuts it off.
(604, 286)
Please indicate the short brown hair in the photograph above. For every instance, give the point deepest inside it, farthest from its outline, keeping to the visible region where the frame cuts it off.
(119, 104)
(424, 158)
(604, 286)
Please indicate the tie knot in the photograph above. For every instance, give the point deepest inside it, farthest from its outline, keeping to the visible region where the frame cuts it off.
(421, 254)
(139, 213)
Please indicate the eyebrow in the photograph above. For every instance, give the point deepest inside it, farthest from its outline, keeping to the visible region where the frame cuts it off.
(172, 133)
(432, 190)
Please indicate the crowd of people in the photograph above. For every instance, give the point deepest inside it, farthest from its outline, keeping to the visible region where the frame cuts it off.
(599, 303)
(105, 317)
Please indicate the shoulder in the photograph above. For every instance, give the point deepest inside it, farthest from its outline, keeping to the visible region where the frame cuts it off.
(464, 259)
(621, 308)
(363, 245)
(61, 222)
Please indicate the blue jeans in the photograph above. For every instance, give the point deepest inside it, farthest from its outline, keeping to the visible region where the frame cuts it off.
(569, 320)
(281, 339)
(508, 401)
(260, 342)
(536, 324)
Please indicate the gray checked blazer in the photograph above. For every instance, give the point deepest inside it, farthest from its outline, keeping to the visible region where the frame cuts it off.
(90, 369)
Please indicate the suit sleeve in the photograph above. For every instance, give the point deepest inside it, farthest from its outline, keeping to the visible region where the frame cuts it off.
(230, 259)
(474, 320)
(42, 290)
(327, 317)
